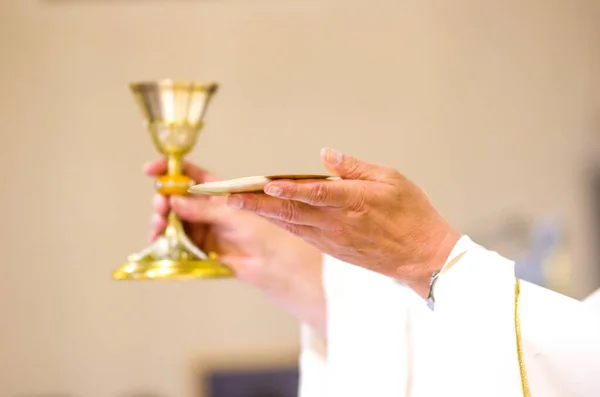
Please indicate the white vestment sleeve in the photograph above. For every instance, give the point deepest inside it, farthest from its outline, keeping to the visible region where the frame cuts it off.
(475, 313)
(313, 363)
(593, 300)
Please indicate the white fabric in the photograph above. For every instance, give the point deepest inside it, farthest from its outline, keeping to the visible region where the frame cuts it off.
(594, 300)
(383, 340)
(313, 363)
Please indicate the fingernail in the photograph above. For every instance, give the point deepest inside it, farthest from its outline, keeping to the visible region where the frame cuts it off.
(235, 202)
(273, 190)
(331, 156)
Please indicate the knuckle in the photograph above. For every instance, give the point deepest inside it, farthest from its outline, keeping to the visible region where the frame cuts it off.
(388, 174)
(319, 194)
(359, 204)
(288, 211)
(352, 166)
(252, 204)
(339, 233)
(357, 201)
(291, 228)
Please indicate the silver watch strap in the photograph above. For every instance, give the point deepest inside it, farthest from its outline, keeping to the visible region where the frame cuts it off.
(430, 297)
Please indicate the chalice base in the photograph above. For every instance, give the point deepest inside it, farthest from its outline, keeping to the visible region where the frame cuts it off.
(172, 257)
(168, 269)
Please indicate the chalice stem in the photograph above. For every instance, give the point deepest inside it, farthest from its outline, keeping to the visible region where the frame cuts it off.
(175, 231)
(174, 227)
(174, 165)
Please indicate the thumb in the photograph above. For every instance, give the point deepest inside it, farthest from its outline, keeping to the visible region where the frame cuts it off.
(348, 167)
(194, 210)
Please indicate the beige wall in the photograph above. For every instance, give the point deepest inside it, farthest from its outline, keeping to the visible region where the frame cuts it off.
(488, 106)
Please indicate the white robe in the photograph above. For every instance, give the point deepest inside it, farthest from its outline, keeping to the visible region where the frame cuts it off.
(383, 341)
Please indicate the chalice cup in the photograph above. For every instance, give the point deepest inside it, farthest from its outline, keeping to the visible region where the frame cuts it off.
(173, 112)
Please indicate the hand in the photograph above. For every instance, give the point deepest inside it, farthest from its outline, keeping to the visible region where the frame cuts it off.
(374, 218)
(278, 263)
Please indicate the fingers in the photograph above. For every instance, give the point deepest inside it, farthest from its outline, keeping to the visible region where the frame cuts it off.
(192, 209)
(160, 204)
(288, 211)
(158, 224)
(189, 209)
(159, 167)
(155, 167)
(307, 233)
(158, 221)
(348, 167)
(320, 193)
(198, 234)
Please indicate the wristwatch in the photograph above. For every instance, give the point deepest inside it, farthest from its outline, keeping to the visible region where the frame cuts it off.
(430, 297)
(435, 276)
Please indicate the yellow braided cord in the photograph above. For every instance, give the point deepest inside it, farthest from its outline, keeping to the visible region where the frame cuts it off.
(524, 380)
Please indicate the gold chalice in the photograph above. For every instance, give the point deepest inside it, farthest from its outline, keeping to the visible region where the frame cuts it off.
(173, 112)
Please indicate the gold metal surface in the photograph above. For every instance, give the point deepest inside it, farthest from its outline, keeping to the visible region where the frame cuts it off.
(173, 113)
(520, 354)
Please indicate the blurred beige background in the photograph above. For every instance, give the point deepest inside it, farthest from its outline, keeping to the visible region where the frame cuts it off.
(491, 106)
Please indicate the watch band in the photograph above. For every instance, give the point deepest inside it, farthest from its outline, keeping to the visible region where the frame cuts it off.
(430, 297)
(436, 275)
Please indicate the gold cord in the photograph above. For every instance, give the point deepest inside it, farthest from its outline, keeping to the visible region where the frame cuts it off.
(523, 370)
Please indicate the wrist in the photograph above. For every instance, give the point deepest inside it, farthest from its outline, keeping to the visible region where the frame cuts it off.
(441, 245)
(292, 276)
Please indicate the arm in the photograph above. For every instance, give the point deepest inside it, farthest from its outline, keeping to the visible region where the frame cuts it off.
(292, 276)
(475, 307)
